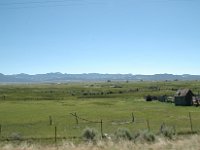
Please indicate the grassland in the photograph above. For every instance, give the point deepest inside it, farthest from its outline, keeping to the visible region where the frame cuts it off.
(25, 108)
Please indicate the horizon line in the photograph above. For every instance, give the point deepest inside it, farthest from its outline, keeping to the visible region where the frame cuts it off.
(96, 73)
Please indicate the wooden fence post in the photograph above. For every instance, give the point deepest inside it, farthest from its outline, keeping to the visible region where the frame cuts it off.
(76, 118)
(148, 126)
(162, 127)
(0, 129)
(174, 127)
(191, 126)
(133, 118)
(50, 120)
(55, 134)
(101, 128)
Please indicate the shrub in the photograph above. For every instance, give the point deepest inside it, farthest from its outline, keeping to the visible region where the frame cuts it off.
(90, 134)
(145, 136)
(148, 98)
(15, 136)
(167, 131)
(123, 133)
(149, 136)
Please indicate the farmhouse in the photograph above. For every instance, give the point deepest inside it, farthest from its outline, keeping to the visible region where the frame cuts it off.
(183, 97)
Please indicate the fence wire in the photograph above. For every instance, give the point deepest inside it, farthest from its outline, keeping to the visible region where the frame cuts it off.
(69, 128)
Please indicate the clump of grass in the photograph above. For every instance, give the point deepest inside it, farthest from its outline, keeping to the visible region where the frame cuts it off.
(146, 136)
(123, 133)
(167, 131)
(90, 134)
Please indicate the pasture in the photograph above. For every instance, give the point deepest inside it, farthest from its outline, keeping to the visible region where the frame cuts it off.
(31, 111)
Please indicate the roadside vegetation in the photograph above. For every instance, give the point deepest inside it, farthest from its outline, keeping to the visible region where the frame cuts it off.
(181, 143)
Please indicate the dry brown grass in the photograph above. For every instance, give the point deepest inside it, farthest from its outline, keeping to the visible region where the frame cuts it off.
(191, 142)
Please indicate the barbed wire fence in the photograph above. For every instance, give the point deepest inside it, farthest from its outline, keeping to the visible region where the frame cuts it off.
(83, 119)
(187, 123)
(117, 123)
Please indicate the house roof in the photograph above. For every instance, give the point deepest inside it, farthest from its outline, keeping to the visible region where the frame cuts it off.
(183, 92)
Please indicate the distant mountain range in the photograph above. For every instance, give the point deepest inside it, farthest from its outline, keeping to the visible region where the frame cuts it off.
(59, 77)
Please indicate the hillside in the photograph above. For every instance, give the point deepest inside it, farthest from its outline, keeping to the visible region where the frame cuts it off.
(59, 77)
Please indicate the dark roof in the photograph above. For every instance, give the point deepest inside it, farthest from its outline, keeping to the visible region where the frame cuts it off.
(183, 92)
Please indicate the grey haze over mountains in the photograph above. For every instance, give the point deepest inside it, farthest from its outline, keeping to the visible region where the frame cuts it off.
(59, 77)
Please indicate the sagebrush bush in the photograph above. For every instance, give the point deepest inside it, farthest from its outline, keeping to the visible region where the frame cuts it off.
(123, 133)
(149, 136)
(90, 134)
(145, 136)
(167, 131)
(15, 136)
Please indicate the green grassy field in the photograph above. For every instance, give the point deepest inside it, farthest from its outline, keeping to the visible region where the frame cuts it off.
(25, 108)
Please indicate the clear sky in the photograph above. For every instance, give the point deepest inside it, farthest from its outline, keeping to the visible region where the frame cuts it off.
(100, 36)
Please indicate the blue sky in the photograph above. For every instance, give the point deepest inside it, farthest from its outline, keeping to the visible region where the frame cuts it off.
(101, 36)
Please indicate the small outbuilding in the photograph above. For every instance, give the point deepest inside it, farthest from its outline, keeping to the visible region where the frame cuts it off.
(183, 97)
